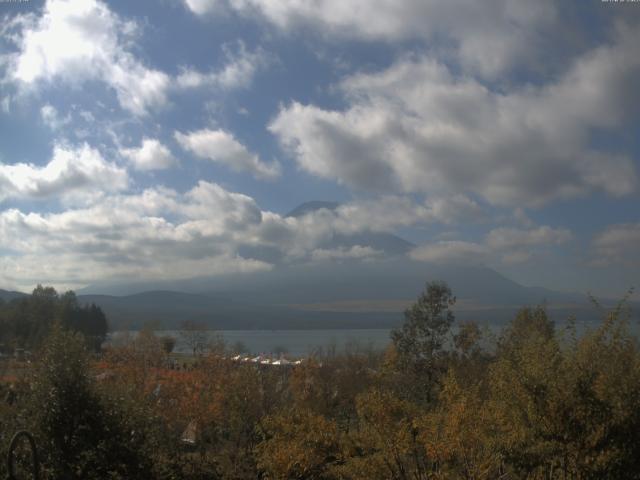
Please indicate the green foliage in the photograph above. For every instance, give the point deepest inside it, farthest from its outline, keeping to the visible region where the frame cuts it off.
(384, 445)
(434, 406)
(81, 436)
(195, 336)
(168, 343)
(419, 342)
(468, 338)
(426, 324)
(530, 324)
(304, 445)
(239, 347)
(568, 410)
(26, 322)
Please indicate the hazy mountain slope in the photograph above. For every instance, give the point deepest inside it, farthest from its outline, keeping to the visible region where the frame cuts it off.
(345, 296)
(395, 278)
(8, 295)
(312, 297)
(311, 206)
(329, 294)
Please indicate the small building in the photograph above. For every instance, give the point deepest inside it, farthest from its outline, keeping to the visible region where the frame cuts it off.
(190, 434)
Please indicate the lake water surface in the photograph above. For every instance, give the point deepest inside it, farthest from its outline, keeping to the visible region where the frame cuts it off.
(301, 343)
(297, 343)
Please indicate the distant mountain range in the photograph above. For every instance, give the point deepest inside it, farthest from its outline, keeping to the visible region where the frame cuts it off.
(7, 295)
(370, 296)
(348, 294)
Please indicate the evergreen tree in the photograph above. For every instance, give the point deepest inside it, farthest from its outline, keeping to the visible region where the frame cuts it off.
(419, 342)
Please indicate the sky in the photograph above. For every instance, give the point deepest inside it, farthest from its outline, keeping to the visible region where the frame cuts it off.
(169, 138)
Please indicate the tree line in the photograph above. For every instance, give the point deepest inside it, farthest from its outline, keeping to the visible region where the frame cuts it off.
(444, 401)
(25, 322)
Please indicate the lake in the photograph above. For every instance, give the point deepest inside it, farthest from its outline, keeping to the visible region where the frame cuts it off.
(296, 343)
(301, 343)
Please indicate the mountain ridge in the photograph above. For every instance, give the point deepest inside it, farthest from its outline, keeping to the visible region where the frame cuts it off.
(335, 294)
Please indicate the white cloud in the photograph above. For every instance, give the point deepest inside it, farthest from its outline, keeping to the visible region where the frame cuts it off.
(221, 147)
(456, 208)
(201, 7)
(5, 104)
(488, 37)
(87, 116)
(138, 88)
(206, 200)
(357, 252)
(297, 236)
(383, 214)
(65, 269)
(515, 245)
(451, 251)
(516, 256)
(72, 171)
(203, 231)
(51, 118)
(130, 236)
(521, 217)
(507, 238)
(81, 40)
(238, 72)
(617, 245)
(151, 155)
(508, 245)
(417, 127)
(65, 41)
(386, 213)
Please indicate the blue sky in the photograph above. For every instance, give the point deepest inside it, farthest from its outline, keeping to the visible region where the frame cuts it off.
(159, 139)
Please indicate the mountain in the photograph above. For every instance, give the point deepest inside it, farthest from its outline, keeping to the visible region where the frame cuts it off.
(348, 295)
(124, 312)
(342, 294)
(311, 206)
(387, 244)
(8, 295)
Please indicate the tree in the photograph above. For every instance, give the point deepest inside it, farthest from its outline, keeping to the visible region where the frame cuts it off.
(568, 411)
(239, 347)
(459, 434)
(81, 436)
(300, 445)
(385, 444)
(419, 342)
(27, 321)
(195, 336)
(468, 338)
(168, 343)
(529, 322)
(36, 315)
(280, 350)
(89, 320)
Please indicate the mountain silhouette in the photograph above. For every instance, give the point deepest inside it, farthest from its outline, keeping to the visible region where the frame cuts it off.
(332, 294)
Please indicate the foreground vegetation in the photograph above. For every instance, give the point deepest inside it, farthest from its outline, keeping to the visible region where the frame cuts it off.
(535, 403)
